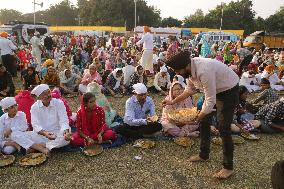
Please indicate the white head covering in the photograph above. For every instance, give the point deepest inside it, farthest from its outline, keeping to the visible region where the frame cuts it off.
(180, 79)
(7, 102)
(39, 89)
(163, 69)
(139, 88)
(36, 33)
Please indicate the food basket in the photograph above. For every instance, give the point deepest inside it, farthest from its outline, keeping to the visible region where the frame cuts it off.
(183, 115)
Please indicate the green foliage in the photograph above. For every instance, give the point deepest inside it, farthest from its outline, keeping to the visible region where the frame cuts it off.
(171, 22)
(275, 23)
(236, 15)
(117, 13)
(7, 14)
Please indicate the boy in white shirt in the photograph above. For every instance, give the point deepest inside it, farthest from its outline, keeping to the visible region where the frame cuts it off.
(13, 129)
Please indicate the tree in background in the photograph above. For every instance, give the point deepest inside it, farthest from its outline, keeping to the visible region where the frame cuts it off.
(275, 22)
(7, 14)
(195, 20)
(236, 15)
(171, 22)
(117, 13)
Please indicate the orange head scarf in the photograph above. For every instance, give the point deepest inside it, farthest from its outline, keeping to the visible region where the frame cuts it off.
(4, 34)
(146, 29)
(270, 68)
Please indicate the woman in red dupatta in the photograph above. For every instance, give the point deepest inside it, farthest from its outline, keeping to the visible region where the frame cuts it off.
(90, 122)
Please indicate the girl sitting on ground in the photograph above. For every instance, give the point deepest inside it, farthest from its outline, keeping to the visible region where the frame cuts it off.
(171, 127)
(90, 122)
(102, 101)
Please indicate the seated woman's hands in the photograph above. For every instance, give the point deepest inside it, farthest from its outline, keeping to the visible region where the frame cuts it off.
(90, 141)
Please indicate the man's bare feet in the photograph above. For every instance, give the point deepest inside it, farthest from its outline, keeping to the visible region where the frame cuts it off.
(196, 158)
(17, 146)
(31, 150)
(41, 148)
(223, 174)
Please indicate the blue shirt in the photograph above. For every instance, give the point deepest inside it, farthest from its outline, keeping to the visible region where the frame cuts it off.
(135, 115)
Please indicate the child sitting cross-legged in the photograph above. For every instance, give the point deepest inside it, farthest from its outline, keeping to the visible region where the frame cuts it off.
(13, 129)
(91, 125)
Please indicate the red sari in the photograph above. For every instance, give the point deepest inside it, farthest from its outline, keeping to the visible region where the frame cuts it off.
(92, 127)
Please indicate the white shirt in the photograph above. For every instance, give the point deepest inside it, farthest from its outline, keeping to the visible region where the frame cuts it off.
(147, 41)
(212, 77)
(35, 41)
(17, 123)
(6, 46)
(52, 118)
(160, 81)
(127, 72)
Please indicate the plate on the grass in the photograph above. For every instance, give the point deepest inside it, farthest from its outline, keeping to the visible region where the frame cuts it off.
(249, 136)
(6, 160)
(184, 141)
(32, 159)
(144, 143)
(93, 150)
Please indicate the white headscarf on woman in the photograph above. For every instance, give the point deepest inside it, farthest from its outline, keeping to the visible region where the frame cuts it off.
(118, 79)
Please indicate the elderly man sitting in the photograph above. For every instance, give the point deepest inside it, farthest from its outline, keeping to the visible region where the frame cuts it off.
(138, 108)
(49, 119)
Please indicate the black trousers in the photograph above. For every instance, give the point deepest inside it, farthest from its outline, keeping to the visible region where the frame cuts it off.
(9, 62)
(226, 103)
(138, 131)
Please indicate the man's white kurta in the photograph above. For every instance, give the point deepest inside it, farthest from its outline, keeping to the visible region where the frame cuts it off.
(147, 56)
(36, 52)
(52, 119)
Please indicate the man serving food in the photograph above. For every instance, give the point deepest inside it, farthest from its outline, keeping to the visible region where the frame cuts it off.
(220, 86)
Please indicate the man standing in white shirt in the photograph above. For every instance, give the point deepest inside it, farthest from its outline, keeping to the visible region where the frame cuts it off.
(36, 50)
(49, 119)
(6, 48)
(220, 86)
(147, 56)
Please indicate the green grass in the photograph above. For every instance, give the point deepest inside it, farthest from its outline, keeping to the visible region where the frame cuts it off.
(165, 166)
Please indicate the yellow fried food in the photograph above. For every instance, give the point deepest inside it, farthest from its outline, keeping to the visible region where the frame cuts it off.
(184, 141)
(152, 119)
(144, 143)
(33, 159)
(183, 115)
